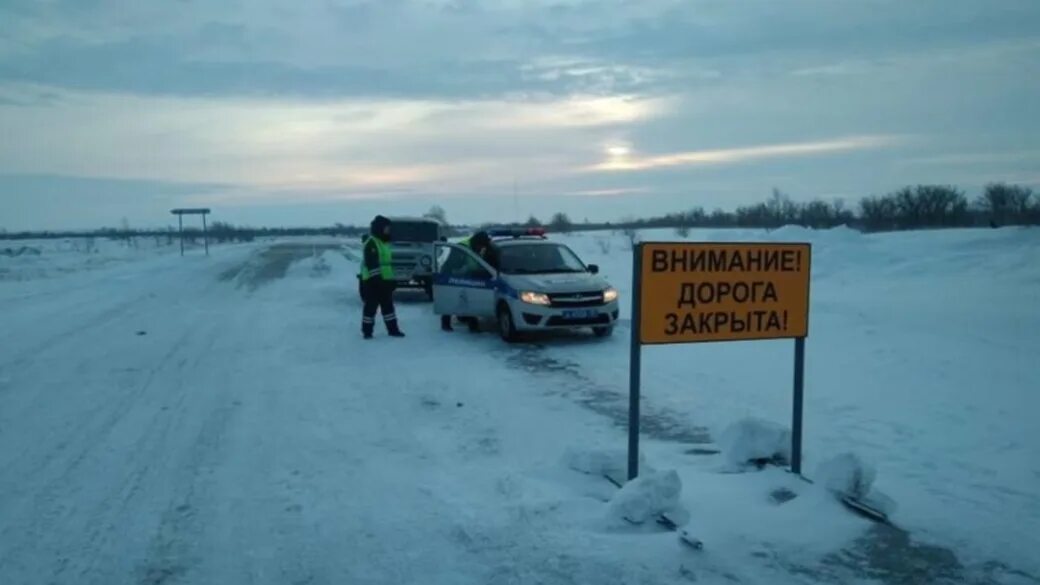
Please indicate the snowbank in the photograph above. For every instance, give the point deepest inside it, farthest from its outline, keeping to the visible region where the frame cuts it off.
(756, 441)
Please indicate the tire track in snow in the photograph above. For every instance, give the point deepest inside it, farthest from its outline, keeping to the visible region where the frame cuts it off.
(78, 315)
(118, 442)
(655, 422)
(56, 341)
(154, 446)
(272, 263)
(114, 323)
(174, 547)
(50, 505)
(44, 508)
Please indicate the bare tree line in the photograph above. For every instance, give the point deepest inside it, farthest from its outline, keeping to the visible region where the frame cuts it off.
(921, 206)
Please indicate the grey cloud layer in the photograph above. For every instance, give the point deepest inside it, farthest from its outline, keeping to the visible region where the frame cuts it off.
(466, 49)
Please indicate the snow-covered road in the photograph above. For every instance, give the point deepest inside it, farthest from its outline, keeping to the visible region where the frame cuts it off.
(219, 420)
(167, 422)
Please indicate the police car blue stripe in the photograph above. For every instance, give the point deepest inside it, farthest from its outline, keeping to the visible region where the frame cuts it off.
(462, 282)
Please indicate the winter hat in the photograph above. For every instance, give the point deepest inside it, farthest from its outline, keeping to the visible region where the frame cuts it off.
(379, 224)
(480, 240)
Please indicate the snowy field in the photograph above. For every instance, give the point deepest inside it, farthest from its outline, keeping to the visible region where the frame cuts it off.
(48, 258)
(169, 420)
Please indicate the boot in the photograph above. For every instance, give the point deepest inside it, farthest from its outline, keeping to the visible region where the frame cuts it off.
(393, 330)
(367, 329)
(446, 323)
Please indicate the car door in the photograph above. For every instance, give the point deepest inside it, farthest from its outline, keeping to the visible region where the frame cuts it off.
(463, 285)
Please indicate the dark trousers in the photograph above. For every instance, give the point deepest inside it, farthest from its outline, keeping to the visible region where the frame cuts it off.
(378, 295)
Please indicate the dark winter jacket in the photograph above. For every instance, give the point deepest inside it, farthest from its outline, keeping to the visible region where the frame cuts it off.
(481, 241)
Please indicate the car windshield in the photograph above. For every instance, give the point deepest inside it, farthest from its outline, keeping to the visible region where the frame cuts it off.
(414, 231)
(538, 259)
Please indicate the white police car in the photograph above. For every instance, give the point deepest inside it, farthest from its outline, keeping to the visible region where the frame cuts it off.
(538, 285)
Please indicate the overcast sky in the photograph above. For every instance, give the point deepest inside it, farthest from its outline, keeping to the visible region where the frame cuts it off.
(324, 111)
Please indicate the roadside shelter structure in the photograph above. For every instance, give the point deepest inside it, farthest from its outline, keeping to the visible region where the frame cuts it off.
(180, 213)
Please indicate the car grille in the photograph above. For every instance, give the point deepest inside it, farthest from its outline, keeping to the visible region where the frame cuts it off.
(579, 299)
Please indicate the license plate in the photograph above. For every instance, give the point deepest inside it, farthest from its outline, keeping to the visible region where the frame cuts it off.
(579, 314)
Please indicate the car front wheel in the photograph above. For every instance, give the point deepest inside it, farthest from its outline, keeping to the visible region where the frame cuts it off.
(603, 331)
(506, 327)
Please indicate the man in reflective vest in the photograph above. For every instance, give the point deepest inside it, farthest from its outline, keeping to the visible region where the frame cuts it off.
(377, 280)
(480, 243)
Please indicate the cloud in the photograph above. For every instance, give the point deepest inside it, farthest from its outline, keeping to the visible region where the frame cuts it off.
(607, 192)
(465, 49)
(744, 154)
(307, 144)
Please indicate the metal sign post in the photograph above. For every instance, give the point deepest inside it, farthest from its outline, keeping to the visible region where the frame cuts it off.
(635, 366)
(796, 414)
(709, 292)
(180, 213)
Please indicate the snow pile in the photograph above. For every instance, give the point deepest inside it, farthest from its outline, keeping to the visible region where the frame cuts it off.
(647, 497)
(756, 441)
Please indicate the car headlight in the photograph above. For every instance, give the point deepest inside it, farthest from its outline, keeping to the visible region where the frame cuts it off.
(535, 298)
(610, 295)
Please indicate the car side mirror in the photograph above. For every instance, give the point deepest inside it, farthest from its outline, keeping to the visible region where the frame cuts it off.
(594, 268)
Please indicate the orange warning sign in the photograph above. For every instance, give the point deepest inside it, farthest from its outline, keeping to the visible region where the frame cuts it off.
(693, 292)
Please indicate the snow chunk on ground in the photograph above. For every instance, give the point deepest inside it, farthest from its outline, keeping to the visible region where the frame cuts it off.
(647, 497)
(847, 474)
(753, 440)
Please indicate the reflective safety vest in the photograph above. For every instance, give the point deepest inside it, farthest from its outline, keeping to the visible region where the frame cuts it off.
(386, 267)
(468, 244)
